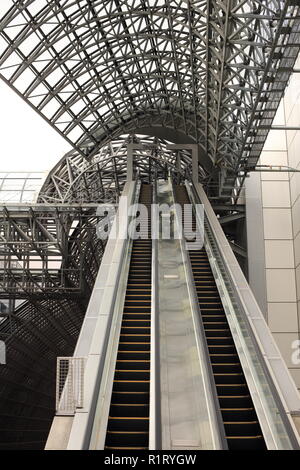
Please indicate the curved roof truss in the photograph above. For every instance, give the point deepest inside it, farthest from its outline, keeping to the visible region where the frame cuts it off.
(213, 70)
(102, 177)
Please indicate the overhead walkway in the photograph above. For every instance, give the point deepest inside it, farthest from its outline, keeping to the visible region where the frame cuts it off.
(180, 356)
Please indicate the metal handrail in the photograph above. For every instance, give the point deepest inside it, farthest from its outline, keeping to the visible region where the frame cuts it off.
(155, 399)
(271, 408)
(215, 420)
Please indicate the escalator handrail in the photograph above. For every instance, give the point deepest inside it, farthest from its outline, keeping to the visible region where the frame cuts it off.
(95, 433)
(246, 319)
(155, 437)
(211, 395)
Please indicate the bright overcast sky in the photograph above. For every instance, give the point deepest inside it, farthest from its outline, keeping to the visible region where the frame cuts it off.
(27, 141)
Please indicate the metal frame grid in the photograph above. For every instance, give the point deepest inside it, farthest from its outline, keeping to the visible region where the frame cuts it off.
(211, 70)
(21, 186)
(69, 384)
(45, 325)
(39, 331)
(44, 246)
(48, 251)
(102, 178)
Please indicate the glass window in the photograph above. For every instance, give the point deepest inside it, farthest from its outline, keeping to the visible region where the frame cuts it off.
(29, 196)
(10, 196)
(32, 185)
(13, 184)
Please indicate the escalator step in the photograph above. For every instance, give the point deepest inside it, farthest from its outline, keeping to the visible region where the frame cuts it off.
(226, 367)
(133, 309)
(224, 358)
(132, 410)
(119, 423)
(212, 316)
(139, 271)
(124, 447)
(200, 264)
(130, 397)
(133, 355)
(235, 401)
(231, 378)
(204, 304)
(137, 306)
(138, 286)
(211, 325)
(238, 414)
(136, 364)
(138, 296)
(136, 330)
(123, 374)
(241, 428)
(131, 385)
(223, 333)
(127, 439)
(246, 443)
(212, 310)
(205, 281)
(134, 338)
(201, 270)
(204, 291)
(142, 286)
(232, 389)
(220, 349)
(220, 340)
(136, 316)
(137, 345)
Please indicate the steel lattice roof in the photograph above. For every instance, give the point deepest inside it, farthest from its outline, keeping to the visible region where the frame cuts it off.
(208, 71)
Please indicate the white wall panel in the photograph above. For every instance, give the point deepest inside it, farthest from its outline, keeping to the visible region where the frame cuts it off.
(282, 317)
(279, 254)
(281, 224)
(285, 342)
(281, 285)
(277, 224)
(276, 194)
(275, 141)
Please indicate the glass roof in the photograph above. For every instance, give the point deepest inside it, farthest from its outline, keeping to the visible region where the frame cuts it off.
(214, 71)
(20, 187)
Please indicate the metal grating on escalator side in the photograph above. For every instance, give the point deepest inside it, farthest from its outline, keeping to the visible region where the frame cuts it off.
(242, 428)
(128, 422)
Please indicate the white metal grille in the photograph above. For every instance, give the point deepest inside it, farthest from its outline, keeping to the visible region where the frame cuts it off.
(69, 384)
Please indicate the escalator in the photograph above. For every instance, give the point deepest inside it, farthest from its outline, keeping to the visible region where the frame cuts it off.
(128, 422)
(242, 429)
(199, 391)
